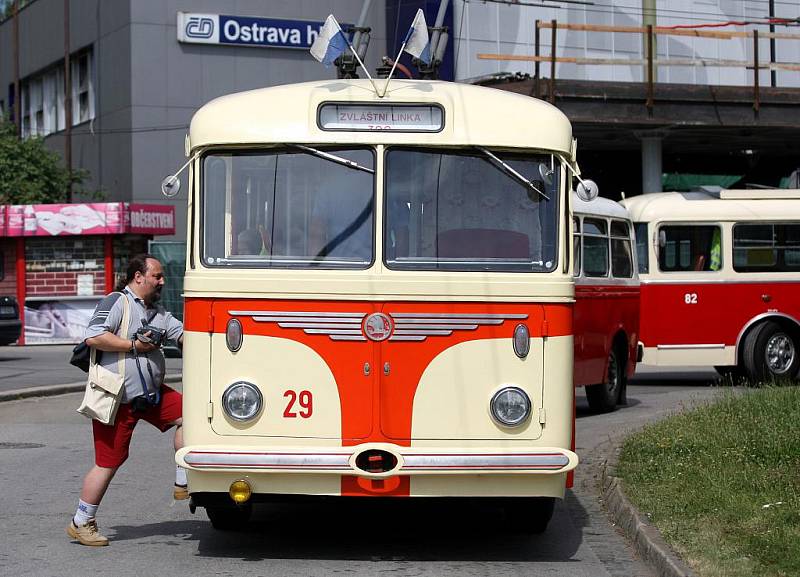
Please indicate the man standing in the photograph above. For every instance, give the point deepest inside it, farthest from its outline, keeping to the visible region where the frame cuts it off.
(145, 396)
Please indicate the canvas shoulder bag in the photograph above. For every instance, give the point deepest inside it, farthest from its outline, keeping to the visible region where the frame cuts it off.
(104, 388)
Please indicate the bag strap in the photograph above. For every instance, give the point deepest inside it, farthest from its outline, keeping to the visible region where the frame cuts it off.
(123, 330)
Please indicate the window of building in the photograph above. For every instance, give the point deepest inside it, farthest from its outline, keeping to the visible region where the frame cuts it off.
(42, 96)
(689, 248)
(766, 247)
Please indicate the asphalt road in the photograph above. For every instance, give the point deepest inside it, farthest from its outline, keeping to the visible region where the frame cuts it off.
(43, 365)
(45, 448)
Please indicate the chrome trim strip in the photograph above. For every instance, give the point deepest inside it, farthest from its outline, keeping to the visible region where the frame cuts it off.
(296, 325)
(703, 346)
(444, 462)
(332, 331)
(340, 463)
(266, 460)
(449, 327)
(347, 326)
(430, 332)
(468, 316)
(297, 314)
(286, 319)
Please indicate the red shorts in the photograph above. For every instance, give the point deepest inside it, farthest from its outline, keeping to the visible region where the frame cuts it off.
(111, 442)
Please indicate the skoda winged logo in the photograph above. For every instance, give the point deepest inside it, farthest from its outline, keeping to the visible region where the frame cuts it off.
(378, 327)
(199, 27)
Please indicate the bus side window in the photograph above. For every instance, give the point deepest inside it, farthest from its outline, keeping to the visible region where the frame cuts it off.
(576, 247)
(690, 248)
(766, 247)
(642, 255)
(621, 257)
(595, 247)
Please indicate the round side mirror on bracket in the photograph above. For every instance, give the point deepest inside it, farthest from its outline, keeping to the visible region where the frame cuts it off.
(171, 186)
(587, 190)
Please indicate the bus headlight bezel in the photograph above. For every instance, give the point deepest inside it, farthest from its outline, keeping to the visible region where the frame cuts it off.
(254, 398)
(499, 398)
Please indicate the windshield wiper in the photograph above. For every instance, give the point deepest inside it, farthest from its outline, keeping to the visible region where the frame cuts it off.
(333, 158)
(508, 170)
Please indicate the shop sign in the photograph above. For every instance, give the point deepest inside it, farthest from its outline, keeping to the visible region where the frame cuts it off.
(152, 219)
(86, 219)
(196, 28)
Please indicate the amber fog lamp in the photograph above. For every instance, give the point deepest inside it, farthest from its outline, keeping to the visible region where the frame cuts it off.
(234, 335)
(522, 341)
(240, 491)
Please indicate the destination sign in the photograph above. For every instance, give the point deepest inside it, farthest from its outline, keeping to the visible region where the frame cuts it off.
(381, 117)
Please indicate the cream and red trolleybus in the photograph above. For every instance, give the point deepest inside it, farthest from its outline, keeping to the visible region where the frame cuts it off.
(379, 297)
(606, 324)
(720, 276)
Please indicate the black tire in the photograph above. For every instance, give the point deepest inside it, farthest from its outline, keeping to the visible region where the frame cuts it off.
(604, 397)
(229, 517)
(771, 353)
(529, 515)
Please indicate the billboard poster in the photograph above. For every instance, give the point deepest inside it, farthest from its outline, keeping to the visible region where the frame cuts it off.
(57, 321)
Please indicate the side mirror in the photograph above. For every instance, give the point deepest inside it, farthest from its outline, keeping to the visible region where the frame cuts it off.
(587, 190)
(171, 186)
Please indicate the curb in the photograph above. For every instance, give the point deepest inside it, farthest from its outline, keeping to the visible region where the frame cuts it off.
(51, 390)
(646, 539)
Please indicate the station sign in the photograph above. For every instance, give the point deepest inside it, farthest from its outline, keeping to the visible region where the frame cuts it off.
(197, 28)
(381, 117)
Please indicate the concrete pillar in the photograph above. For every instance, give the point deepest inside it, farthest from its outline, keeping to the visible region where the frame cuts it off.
(651, 163)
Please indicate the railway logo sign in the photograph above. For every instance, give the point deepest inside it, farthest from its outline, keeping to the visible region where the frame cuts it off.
(196, 28)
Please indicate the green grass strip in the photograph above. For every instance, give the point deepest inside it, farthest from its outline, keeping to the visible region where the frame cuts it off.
(722, 483)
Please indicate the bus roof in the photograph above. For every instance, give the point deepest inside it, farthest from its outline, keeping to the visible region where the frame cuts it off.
(599, 207)
(723, 206)
(473, 115)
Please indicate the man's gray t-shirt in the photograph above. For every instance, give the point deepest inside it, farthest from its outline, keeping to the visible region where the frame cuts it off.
(107, 317)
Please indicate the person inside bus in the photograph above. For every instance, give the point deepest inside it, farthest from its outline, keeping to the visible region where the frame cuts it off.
(252, 241)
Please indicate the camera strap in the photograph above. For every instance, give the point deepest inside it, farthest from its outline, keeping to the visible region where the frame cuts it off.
(156, 396)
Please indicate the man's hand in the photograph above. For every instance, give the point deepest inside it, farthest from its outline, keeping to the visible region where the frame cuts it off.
(143, 347)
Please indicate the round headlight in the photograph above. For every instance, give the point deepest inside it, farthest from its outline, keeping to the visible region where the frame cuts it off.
(511, 406)
(234, 335)
(242, 401)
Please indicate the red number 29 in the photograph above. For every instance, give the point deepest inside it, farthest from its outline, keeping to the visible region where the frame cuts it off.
(304, 399)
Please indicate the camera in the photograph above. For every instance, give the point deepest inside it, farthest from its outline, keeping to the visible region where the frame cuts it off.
(156, 336)
(142, 403)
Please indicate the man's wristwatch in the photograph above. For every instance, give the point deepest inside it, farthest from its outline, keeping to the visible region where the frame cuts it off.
(133, 346)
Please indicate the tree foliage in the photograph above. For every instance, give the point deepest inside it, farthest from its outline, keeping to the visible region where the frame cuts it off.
(30, 173)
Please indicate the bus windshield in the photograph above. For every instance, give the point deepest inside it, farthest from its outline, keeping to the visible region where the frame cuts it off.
(301, 207)
(471, 210)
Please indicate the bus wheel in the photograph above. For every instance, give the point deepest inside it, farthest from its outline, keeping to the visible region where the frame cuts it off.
(771, 352)
(529, 515)
(603, 397)
(228, 517)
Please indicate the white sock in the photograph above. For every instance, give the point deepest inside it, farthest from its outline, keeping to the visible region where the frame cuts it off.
(180, 476)
(85, 513)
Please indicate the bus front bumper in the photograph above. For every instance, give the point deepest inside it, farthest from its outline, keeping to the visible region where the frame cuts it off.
(391, 460)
